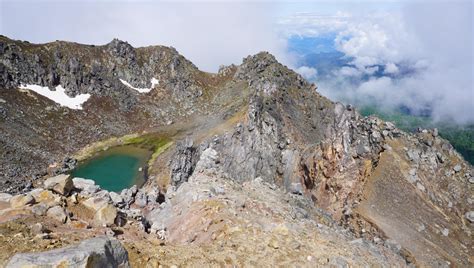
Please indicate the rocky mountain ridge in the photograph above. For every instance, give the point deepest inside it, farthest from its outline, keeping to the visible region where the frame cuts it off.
(258, 127)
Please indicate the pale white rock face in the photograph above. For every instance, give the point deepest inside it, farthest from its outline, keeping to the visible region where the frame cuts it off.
(154, 82)
(94, 252)
(59, 96)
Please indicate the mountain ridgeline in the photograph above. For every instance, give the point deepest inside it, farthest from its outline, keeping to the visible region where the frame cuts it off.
(258, 134)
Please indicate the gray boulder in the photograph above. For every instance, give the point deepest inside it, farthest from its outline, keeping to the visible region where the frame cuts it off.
(128, 195)
(469, 216)
(57, 213)
(117, 199)
(61, 184)
(105, 216)
(296, 188)
(94, 252)
(87, 187)
(153, 196)
(457, 168)
(40, 209)
(141, 199)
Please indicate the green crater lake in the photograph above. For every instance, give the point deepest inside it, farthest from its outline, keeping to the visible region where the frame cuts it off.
(116, 168)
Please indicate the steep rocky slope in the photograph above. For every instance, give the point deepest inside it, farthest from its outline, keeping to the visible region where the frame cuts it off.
(258, 161)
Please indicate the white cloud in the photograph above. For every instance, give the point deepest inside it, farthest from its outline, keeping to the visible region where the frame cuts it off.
(378, 39)
(349, 71)
(434, 41)
(307, 72)
(311, 24)
(391, 68)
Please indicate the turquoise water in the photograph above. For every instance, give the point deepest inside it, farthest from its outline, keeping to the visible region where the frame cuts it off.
(116, 168)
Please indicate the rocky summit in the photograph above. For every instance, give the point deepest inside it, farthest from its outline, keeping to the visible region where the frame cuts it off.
(251, 166)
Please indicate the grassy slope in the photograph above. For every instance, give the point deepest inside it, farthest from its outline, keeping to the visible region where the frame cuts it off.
(461, 137)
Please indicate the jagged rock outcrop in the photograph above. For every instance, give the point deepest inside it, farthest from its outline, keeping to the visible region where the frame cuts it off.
(292, 136)
(96, 69)
(184, 162)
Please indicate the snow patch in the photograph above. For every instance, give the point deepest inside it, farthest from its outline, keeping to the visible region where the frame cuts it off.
(59, 96)
(154, 82)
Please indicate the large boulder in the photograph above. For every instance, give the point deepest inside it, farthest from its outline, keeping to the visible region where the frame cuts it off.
(141, 199)
(58, 213)
(46, 197)
(106, 215)
(39, 209)
(61, 184)
(87, 187)
(117, 199)
(96, 202)
(94, 252)
(128, 196)
(105, 212)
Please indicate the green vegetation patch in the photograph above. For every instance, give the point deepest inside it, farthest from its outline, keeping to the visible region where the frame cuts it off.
(153, 142)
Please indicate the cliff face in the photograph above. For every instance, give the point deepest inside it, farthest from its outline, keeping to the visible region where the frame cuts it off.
(258, 121)
(96, 69)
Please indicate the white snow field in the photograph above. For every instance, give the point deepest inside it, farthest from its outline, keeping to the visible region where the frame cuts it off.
(154, 82)
(59, 96)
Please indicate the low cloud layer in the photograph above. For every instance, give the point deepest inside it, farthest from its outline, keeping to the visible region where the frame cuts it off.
(420, 57)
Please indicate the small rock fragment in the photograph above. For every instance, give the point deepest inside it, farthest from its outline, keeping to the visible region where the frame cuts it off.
(470, 216)
(457, 168)
(57, 213)
(420, 187)
(296, 188)
(38, 228)
(273, 243)
(39, 209)
(445, 232)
